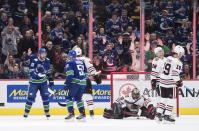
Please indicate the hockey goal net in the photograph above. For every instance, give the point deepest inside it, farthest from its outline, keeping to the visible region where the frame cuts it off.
(123, 82)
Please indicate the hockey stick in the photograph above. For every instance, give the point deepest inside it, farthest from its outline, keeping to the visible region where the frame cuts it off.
(189, 88)
(54, 93)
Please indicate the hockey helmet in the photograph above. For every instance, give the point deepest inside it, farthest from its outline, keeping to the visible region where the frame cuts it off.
(135, 93)
(72, 54)
(158, 49)
(179, 50)
(42, 50)
(78, 51)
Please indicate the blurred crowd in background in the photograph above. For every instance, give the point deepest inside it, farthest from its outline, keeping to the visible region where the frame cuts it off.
(116, 33)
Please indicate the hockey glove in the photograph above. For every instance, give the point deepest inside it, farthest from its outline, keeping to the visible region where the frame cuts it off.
(179, 83)
(97, 79)
(153, 84)
(51, 82)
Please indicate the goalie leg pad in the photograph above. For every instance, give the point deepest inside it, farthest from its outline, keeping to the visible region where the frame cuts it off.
(150, 112)
(117, 111)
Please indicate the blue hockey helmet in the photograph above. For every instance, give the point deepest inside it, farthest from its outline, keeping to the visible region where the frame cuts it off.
(41, 50)
(72, 54)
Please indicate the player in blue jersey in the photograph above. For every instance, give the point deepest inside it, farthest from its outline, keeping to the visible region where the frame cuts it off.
(39, 73)
(75, 85)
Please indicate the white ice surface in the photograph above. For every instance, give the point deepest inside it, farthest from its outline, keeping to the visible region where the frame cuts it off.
(57, 123)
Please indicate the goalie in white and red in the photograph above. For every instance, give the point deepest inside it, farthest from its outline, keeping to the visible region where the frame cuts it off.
(132, 105)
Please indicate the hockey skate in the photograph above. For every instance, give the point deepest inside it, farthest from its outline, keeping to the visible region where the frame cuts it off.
(91, 113)
(25, 115)
(81, 117)
(169, 119)
(158, 117)
(47, 115)
(71, 116)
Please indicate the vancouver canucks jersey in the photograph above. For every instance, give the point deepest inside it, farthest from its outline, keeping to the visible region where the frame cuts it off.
(39, 70)
(75, 72)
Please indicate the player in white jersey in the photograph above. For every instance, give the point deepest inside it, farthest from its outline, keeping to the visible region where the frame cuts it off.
(157, 68)
(134, 104)
(91, 72)
(169, 79)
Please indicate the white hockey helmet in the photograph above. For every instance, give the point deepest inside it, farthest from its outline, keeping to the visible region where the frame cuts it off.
(157, 49)
(78, 51)
(179, 50)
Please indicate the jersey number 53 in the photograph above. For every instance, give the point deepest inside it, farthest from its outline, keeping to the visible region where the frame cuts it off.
(81, 70)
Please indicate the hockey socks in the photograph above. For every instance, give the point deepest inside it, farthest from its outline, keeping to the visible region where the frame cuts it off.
(27, 108)
(69, 105)
(46, 106)
(80, 106)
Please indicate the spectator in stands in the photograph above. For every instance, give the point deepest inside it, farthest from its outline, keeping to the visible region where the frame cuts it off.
(181, 11)
(187, 75)
(26, 25)
(150, 55)
(114, 6)
(3, 21)
(113, 26)
(83, 26)
(55, 6)
(57, 34)
(9, 40)
(110, 59)
(26, 43)
(59, 67)
(50, 50)
(16, 73)
(47, 20)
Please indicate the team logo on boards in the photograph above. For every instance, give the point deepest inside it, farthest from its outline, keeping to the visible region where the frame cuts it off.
(126, 89)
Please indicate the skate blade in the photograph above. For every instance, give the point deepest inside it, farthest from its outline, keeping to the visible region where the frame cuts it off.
(81, 120)
(168, 122)
(47, 118)
(70, 120)
(158, 121)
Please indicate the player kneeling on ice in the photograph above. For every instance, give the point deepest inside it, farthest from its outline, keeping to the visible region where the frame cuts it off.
(169, 79)
(133, 105)
(39, 74)
(75, 85)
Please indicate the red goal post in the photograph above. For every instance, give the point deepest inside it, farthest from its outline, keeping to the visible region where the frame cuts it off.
(123, 82)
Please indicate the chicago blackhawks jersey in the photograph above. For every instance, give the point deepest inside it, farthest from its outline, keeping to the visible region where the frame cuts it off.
(89, 66)
(171, 72)
(134, 104)
(157, 68)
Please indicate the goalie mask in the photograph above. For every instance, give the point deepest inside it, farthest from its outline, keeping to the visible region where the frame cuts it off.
(135, 93)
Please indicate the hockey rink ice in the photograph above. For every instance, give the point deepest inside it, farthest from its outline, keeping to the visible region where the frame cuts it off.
(57, 123)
